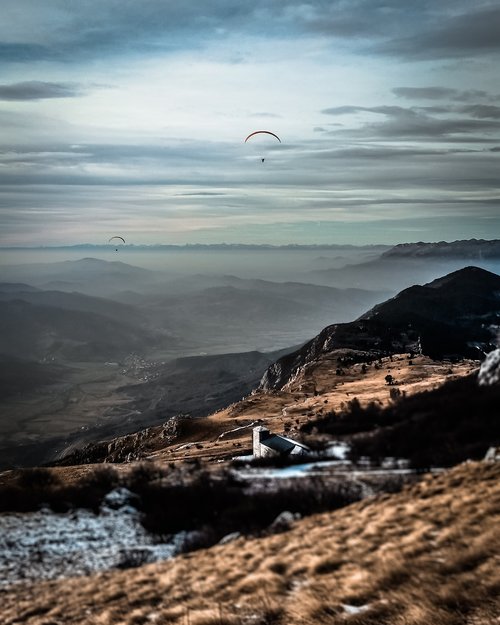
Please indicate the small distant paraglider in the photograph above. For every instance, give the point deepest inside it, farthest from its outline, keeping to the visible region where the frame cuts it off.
(264, 132)
(113, 238)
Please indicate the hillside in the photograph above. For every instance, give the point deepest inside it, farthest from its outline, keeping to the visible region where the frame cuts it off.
(198, 385)
(454, 316)
(37, 331)
(19, 376)
(74, 301)
(315, 392)
(345, 362)
(16, 287)
(438, 427)
(87, 275)
(426, 555)
(226, 313)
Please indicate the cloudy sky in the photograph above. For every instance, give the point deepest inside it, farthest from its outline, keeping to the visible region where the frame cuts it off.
(126, 117)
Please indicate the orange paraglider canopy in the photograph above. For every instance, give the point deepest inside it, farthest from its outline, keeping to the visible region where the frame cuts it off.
(266, 132)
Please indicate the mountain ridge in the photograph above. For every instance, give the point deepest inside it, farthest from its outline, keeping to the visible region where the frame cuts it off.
(416, 320)
(467, 248)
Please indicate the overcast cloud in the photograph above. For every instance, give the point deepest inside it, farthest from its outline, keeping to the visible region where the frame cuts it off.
(125, 116)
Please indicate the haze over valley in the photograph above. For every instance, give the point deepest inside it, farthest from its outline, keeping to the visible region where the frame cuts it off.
(86, 341)
(94, 347)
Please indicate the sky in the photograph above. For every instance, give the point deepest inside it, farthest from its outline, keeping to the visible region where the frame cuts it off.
(128, 118)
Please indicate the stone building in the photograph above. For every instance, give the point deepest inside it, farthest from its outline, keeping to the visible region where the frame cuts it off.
(267, 444)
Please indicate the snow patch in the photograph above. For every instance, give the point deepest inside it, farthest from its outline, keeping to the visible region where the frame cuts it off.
(47, 545)
(295, 470)
(355, 609)
(338, 449)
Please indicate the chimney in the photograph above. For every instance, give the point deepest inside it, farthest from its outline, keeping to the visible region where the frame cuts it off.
(259, 434)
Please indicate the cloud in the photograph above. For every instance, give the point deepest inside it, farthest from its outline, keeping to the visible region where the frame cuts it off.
(267, 115)
(368, 20)
(425, 93)
(468, 34)
(37, 90)
(73, 32)
(415, 123)
(69, 32)
(482, 111)
(166, 140)
(387, 153)
(443, 93)
(24, 52)
(383, 110)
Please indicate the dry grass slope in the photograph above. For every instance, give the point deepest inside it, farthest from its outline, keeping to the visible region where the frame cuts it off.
(314, 392)
(429, 555)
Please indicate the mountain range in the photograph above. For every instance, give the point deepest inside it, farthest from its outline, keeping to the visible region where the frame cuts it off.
(471, 248)
(411, 263)
(453, 317)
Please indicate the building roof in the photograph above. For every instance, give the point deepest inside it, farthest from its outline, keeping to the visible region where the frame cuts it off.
(281, 444)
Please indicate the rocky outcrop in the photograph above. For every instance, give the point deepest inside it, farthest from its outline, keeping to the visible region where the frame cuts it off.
(126, 448)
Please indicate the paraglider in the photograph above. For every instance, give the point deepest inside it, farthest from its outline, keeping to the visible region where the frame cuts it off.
(264, 132)
(121, 239)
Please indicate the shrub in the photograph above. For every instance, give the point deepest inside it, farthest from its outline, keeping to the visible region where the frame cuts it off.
(441, 427)
(34, 488)
(38, 477)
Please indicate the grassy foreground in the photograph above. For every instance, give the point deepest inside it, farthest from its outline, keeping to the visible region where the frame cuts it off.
(427, 555)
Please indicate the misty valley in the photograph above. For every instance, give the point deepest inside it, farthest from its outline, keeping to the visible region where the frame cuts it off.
(98, 347)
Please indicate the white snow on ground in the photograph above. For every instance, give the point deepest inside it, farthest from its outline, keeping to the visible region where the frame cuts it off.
(319, 467)
(294, 470)
(338, 449)
(47, 545)
(355, 609)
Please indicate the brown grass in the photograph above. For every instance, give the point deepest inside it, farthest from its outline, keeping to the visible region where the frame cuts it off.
(429, 555)
(315, 391)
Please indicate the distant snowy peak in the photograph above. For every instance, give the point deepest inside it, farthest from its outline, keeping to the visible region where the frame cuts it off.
(473, 249)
